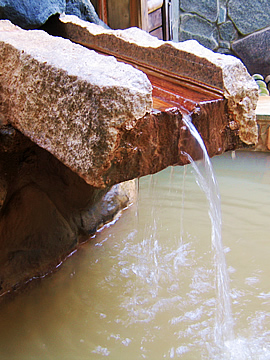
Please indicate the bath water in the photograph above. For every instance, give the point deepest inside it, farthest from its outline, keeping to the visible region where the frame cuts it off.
(145, 288)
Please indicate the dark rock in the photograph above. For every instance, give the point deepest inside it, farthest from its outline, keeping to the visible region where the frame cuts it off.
(227, 31)
(205, 8)
(30, 14)
(84, 10)
(253, 50)
(249, 16)
(194, 27)
(48, 210)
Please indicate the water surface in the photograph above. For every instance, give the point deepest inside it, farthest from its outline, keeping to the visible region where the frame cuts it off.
(144, 288)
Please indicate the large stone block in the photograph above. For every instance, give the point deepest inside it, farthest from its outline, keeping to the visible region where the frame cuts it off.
(30, 14)
(205, 8)
(250, 15)
(68, 99)
(254, 51)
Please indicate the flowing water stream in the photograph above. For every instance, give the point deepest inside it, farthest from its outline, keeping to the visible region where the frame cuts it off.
(207, 181)
(145, 288)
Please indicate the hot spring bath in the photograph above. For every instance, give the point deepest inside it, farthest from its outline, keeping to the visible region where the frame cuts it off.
(144, 288)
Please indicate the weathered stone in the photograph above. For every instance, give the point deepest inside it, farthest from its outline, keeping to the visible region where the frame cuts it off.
(30, 14)
(194, 27)
(187, 60)
(84, 10)
(249, 16)
(222, 15)
(224, 51)
(227, 31)
(48, 210)
(253, 50)
(68, 99)
(207, 9)
(224, 44)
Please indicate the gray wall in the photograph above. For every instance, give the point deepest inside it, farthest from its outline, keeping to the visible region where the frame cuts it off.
(238, 27)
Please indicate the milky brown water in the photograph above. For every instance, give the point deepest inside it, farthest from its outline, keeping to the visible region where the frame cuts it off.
(144, 288)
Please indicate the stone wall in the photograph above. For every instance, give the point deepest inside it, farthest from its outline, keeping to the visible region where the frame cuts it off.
(236, 27)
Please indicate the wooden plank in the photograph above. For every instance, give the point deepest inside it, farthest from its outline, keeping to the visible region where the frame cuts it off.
(143, 10)
(134, 9)
(118, 14)
(263, 108)
(154, 20)
(154, 5)
(102, 11)
(157, 33)
(165, 20)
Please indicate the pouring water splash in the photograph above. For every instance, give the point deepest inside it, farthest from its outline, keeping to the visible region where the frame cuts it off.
(207, 182)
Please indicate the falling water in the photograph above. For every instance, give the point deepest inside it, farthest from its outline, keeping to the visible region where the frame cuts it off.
(207, 182)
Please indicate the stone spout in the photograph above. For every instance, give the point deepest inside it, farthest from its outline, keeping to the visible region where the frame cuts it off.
(95, 114)
(74, 123)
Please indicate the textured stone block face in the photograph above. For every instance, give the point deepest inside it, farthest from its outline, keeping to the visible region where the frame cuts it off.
(30, 14)
(195, 27)
(187, 60)
(83, 9)
(249, 16)
(254, 51)
(68, 99)
(205, 8)
(227, 31)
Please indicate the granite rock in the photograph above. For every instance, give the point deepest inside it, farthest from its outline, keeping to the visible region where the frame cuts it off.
(84, 10)
(196, 28)
(30, 14)
(227, 31)
(68, 99)
(222, 15)
(254, 51)
(204, 8)
(249, 16)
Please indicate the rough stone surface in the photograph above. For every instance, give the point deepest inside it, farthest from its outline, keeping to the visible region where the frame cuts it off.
(84, 10)
(30, 14)
(47, 211)
(222, 15)
(254, 51)
(205, 8)
(68, 99)
(227, 31)
(187, 59)
(249, 16)
(195, 27)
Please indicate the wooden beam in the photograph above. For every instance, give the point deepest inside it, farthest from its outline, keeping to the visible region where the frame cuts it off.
(102, 10)
(134, 12)
(143, 15)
